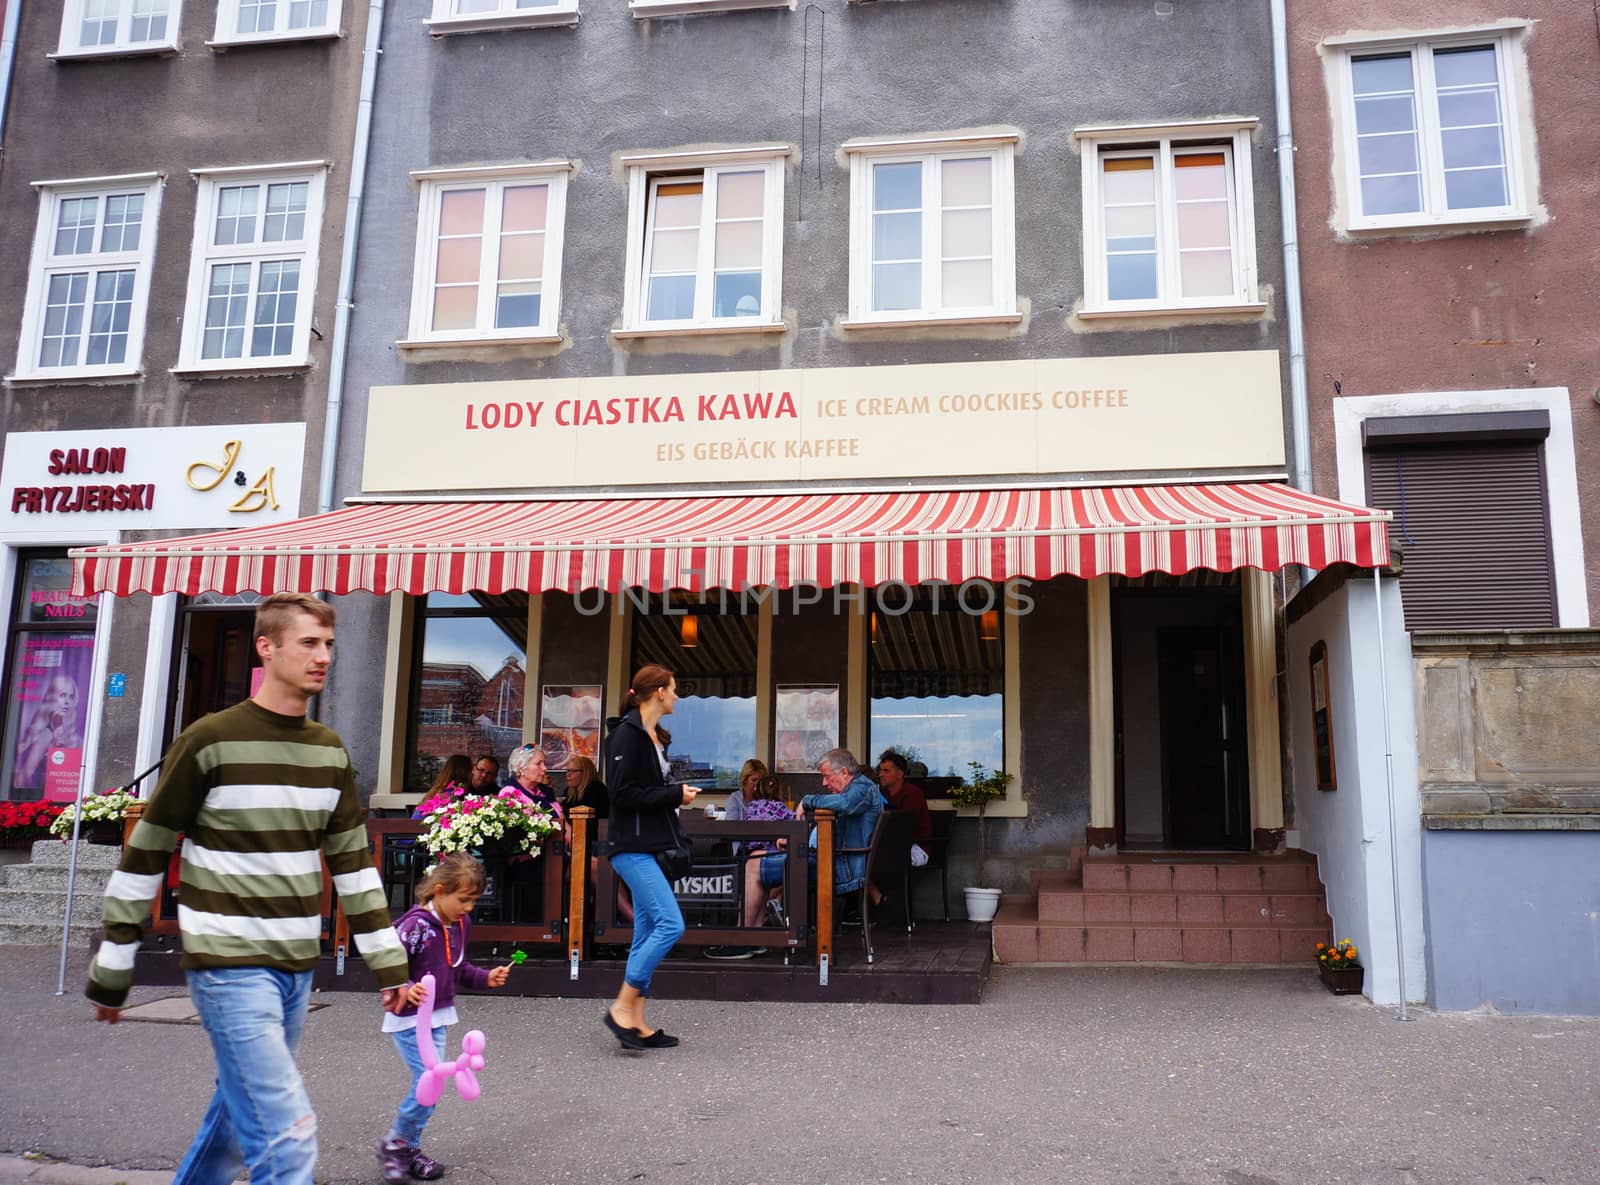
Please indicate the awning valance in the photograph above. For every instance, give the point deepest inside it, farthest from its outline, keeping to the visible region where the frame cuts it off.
(742, 541)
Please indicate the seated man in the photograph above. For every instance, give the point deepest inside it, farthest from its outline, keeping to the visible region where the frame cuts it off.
(856, 804)
(905, 795)
(486, 774)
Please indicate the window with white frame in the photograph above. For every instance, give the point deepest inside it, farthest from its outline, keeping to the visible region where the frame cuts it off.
(1168, 221)
(108, 27)
(452, 16)
(488, 261)
(90, 278)
(705, 246)
(253, 269)
(275, 20)
(642, 9)
(931, 232)
(1433, 131)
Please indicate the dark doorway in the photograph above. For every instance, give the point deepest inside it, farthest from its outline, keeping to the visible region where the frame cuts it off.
(1204, 778)
(213, 662)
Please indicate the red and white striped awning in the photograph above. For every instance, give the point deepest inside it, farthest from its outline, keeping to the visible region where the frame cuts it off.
(741, 541)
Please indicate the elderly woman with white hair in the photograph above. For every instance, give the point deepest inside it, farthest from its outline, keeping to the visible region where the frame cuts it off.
(527, 776)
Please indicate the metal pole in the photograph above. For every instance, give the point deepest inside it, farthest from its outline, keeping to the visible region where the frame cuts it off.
(72, 878)
(1299, 413)
(1388, 774)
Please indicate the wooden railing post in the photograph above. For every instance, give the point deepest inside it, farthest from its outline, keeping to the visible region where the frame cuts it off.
(130, 818)
(577, 884)
(823, 819)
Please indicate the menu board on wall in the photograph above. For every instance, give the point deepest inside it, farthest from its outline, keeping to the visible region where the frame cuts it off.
(807, 726)
(569, 723)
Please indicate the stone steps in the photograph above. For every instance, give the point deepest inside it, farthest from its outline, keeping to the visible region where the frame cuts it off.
(33, 897)
(14, 933)
(40, 878)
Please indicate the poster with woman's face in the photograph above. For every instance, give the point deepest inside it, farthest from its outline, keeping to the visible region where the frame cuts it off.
(49, 710)
(569, 723)
(807, 726)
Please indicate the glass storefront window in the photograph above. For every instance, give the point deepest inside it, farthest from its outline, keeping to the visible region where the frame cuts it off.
(714, 724)
(51, 661)
(936, 683)
(469, 684)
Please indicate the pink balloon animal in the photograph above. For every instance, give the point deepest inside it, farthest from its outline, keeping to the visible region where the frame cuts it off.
(431, 1085)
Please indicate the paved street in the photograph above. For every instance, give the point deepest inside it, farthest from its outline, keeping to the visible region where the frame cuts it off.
(1104, 1075)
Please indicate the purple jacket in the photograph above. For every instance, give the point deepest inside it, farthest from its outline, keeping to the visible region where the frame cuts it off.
(424, 940)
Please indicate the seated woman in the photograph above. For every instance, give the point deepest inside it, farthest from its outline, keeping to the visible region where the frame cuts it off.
(528, 774)
(749, 780)
(765, 804)
(584, 788)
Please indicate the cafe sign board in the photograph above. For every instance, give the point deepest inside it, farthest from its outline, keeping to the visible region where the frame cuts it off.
(125, 479)
(1039, 416)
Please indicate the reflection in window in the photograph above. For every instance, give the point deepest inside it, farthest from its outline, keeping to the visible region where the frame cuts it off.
(714, 724)
(470, 685)
(936, 678)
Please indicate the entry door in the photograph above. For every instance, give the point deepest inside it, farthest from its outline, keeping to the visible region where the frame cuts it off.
(214, 664)
(1203, 756)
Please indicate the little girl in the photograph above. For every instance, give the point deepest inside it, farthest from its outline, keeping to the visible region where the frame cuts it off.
(434, 935)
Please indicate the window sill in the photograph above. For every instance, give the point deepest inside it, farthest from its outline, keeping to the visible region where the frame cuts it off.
(644, 9)
(1441, 226)
(490, 22)
(223, 44)
(1251, 309)
(934, 322)
(237, 371)
(74, 379)
(699, 331)
(426, 345)
(127, 51)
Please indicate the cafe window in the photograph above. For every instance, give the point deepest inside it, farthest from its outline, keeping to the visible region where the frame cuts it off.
(711, 648)
(469, 682)
(936, 679)
(51, 661)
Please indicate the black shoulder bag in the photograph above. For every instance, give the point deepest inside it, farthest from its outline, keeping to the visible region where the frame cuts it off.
(676, 861)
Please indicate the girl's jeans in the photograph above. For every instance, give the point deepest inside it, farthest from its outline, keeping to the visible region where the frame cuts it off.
(260, 1115)
(657, 920)
(413, 1116)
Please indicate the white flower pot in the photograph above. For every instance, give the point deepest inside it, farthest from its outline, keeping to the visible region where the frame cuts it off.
(982, 904)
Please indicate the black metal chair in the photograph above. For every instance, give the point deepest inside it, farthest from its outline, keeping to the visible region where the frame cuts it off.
(888, 857)
(937, 846)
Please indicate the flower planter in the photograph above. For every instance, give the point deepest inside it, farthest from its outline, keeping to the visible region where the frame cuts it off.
(982, 904)
(1342, 981)
(107, 832)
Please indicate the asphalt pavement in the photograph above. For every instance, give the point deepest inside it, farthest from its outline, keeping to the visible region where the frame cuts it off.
(1143, 1076)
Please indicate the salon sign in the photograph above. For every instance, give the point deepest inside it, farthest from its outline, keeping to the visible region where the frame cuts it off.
(124, 479)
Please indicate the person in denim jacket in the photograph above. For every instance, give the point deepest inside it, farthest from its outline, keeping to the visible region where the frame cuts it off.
(855, 801)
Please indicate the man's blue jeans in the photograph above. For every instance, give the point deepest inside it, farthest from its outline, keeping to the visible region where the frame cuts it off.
(413, 1116)
(657, 920)
(260, 1115)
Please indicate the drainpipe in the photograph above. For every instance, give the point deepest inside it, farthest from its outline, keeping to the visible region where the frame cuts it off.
(8, 61)
(347, 256)
(1299, 420)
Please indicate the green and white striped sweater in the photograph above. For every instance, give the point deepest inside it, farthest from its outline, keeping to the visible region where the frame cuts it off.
(260, 799)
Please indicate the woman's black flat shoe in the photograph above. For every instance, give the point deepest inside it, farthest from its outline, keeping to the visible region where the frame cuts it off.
(660, 1039)
(629, 1037)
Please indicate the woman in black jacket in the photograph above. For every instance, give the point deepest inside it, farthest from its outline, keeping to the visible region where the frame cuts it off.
(643, 822)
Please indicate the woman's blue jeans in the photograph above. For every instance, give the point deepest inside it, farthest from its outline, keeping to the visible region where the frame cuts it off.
(413, 1116)
(657, 920)
(260, 1115)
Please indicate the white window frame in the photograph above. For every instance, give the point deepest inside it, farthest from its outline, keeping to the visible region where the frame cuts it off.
(72, 29)
(1511, 69)
(643, 172)
(227, 31)
(43, 264)
(433, 184)
(202, 255)
(929, 152)
(1232, 138)
(645, 9)
(506, 15)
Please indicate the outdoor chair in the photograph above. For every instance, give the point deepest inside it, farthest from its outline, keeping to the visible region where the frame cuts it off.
(937, 846)
(888, 857)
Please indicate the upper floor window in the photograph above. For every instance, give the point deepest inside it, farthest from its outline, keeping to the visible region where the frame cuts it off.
(1433, 132)
(488, 259)
(253, 269)
(931, 230)
(705, 240)
(89, 280)
(275, 20)
(466, 16)
(106, 28)
(649, 8)
(1168, 223)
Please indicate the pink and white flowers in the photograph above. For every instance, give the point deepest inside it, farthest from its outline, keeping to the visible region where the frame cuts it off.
(459, 821)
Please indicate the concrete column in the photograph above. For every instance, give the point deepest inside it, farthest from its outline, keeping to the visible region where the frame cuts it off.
(1261, 709)
(396, 695)
(764, 688)
(532, 702)
(1102, 719)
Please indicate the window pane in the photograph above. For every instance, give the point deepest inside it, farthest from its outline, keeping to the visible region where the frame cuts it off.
(1473, 189)
(1200, 175)
(1378, 75)
(1203, 224)
(63, 319)
(1128, 212)
(256, 16)
(738, 245)
(1472, 108)
(1207, 273)
(675, 251)
(1131, 277)
(458, 260)
(108, 321)
(1471, 148)
(276, 300)
(286, 212)
(1390, 195)
(47, 593)
(968, 284)
(678, 204)
(966, 182)
(671, 298)
(897, 236)
(522, 257)
(897, 187)
(225, 311)
(1131, 228)
(149, 21)
(966, 233)
(524, 208)
(75, 220)
(736, 294)
(308, 14)
(517, 305)
(1464, 67)
(51, 673)
(99, 25)
(1128, 180)
(455, 308)
(124, 214)
(461, 212)
(1390, 113)
(236, 214)
(475, 7)
(740, 195)
(1387, 154)
(896, 286)
(470, 691)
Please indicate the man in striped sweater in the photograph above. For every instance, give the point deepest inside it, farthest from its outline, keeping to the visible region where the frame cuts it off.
(261, 796)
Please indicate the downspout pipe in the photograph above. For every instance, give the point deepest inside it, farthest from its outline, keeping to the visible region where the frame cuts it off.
(8, 63)
(347, 257)
(1299, 417)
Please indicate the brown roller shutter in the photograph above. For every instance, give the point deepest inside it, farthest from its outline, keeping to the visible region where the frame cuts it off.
(1475, 530)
